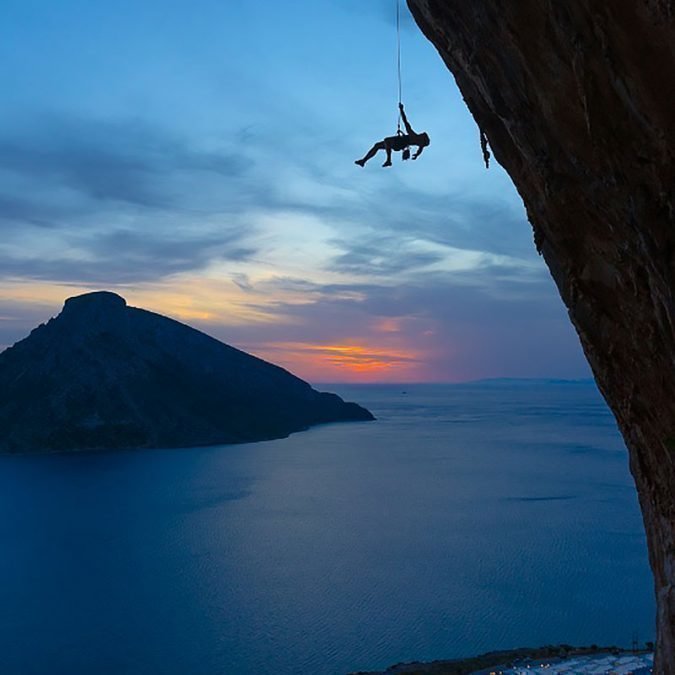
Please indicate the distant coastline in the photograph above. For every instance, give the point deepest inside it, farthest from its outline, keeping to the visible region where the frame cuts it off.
(503, 659)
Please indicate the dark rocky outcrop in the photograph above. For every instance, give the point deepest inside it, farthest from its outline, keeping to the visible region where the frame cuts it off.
(577, 101)
(522, 658)
(103, 375)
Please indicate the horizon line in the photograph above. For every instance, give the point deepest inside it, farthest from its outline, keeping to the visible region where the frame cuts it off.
(570, 380)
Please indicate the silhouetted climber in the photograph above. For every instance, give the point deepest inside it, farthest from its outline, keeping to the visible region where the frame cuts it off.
(399, 142)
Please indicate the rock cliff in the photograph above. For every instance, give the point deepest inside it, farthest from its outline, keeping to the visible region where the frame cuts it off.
(577, 101)
(103, 375)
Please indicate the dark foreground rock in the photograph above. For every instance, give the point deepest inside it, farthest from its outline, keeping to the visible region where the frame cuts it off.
(490, 662)
(577, 100)
(103, 375)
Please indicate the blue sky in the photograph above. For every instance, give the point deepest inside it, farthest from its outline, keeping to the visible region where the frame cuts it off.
(197, 158)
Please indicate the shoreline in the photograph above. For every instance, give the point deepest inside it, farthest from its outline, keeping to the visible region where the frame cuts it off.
(508, 659)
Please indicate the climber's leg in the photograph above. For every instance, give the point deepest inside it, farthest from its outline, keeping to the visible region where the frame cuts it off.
(387, 147)
(371, 153)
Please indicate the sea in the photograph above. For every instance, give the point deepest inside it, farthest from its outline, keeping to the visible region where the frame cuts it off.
(467, 518)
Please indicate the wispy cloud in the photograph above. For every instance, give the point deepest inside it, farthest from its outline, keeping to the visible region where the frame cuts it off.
(114, 203)
(124, 161)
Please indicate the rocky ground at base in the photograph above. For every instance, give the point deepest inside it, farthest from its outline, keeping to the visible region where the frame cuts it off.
(554, 659)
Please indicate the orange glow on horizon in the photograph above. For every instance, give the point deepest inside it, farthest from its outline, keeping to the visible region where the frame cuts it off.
(343, 362)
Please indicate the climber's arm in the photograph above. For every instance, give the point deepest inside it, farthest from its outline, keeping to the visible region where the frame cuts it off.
(408, 128)
(418, 152)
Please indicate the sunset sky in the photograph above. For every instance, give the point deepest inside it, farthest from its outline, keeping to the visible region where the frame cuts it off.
(197, 158)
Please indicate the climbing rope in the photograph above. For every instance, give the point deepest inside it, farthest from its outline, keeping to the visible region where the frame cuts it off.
(398, 62)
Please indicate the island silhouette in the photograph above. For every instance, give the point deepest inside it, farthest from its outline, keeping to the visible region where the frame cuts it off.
(103, 375)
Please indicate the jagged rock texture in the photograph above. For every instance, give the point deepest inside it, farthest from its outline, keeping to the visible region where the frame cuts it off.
(577, 100)
(103, 375)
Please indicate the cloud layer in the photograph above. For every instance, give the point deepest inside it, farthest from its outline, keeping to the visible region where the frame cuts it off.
(214, 181)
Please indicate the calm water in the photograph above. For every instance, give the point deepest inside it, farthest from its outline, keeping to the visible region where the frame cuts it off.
(467, 518)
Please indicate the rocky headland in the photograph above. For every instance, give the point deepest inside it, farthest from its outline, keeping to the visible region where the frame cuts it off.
(103, 375)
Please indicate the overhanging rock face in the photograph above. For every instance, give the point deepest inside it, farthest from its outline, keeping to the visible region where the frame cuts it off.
(577, 100)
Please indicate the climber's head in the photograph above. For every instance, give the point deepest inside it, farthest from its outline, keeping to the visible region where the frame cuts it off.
(424, 139)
